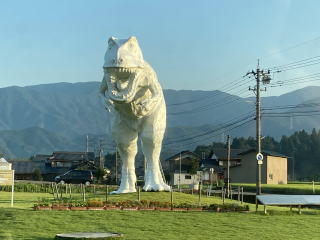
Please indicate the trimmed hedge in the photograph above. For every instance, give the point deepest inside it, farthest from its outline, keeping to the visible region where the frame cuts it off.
(47, 188)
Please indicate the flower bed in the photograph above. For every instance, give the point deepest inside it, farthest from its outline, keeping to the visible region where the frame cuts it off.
(195, 209)
(147, 208)
(130, 208)
(228, 207)
(60, 207)
(142, 205)
(42, 207)
(179, 209)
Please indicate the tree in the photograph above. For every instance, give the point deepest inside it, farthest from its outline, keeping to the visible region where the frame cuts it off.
(194, 166)
(36, 175)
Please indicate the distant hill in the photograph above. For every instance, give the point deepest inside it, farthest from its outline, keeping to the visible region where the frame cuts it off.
(49, 117)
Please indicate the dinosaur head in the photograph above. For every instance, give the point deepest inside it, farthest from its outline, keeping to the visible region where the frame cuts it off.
(123, 62)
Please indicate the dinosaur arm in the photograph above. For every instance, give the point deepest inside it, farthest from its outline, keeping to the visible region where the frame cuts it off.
(155, 90)
(103, 86)
(145, 106)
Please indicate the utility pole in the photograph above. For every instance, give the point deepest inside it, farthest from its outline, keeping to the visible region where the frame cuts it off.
(101, 157)
(87, 142)
(180, 172)
(116, 170)
(293, 168)
(144, 167)
(264, 77)
(228, 166)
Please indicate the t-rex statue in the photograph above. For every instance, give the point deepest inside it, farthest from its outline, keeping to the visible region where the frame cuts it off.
(135, 99)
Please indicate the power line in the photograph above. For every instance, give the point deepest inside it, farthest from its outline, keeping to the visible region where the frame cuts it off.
(292, 47)
(234, 119)
(294, 83)
(306, 105)
(220, 128)
(216, 92)
(213, 104)
(220, 132)
(297, 64)
(295, 115)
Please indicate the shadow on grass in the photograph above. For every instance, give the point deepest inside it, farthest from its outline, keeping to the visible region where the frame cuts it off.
(288, 213)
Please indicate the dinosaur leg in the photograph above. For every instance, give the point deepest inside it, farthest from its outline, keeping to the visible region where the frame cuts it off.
(151, 138)
(126, 140)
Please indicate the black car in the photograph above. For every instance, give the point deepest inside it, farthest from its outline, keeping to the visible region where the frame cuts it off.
(75, 176)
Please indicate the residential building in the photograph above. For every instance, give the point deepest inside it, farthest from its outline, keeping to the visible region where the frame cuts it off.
(182, 168)
(273, 169)
(213, 167)
(52, 165)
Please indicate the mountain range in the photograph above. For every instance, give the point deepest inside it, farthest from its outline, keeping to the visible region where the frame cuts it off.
(51, 117)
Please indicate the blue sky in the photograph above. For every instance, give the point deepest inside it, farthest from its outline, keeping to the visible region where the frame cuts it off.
(191, 44)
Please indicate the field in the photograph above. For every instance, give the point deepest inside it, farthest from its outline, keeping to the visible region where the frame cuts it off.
(291, 188)
(21, 222)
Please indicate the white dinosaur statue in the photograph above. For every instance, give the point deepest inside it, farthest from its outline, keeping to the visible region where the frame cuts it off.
(136, 102)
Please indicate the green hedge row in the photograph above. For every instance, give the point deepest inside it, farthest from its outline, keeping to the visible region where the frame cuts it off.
(47, 188)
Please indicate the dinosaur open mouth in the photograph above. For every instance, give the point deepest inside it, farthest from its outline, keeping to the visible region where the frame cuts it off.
(122, 83)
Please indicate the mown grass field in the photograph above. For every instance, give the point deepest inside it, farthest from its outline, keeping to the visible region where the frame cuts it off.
(21, 222)
(292, 188)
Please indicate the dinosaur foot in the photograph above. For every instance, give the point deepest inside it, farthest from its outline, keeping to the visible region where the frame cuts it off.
(157, 187)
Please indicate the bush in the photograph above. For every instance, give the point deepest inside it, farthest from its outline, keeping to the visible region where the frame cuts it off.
(77, 204)
(160, 204)
(95, 203)
(42, 202)
(228, 207)
(185, 205)
(36, 175)
(128, 203)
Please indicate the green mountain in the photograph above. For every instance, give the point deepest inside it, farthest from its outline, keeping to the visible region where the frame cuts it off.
(52, 117)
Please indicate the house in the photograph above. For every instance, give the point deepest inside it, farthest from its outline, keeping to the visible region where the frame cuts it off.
(213, 167)
(61, 162)
(211, 172)
(70, 159)
(182, 168)
(24, 170)
(4, 165)
(52, 165)
(273, 169)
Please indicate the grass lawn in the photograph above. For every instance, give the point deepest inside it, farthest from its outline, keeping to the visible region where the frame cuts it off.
(295, 188)
(23, 223)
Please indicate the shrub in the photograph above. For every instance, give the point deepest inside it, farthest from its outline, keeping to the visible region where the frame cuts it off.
(185, 205)
(160, 204)
(145, 203)
(95, 203)
(42, 202)
(127, 203)
(77, 204)
(36, 175)
(228, 207)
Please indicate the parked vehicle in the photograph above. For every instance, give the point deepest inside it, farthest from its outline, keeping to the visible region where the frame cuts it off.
(76, 177)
